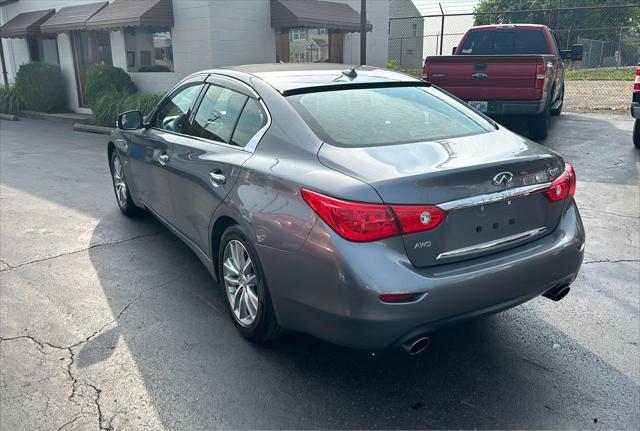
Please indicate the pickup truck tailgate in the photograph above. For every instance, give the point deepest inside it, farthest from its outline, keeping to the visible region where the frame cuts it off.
(482, 77)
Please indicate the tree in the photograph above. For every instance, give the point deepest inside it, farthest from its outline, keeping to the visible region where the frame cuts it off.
(570, 19)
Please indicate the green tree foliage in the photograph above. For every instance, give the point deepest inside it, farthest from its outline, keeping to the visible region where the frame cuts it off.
(41, 87)
(9, 100)
(606, 23)
(104, 79)
(109, 105)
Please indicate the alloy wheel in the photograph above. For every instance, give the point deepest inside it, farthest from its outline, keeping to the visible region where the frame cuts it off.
(119, 183)
(240, 282)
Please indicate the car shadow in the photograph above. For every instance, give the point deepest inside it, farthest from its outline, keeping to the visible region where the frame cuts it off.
(512, 370)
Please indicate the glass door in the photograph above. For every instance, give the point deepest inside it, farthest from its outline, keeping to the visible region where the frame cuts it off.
(89, 48)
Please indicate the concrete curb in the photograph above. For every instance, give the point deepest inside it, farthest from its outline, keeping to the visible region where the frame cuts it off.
(62, 117)
(8, 117)
(89, 128)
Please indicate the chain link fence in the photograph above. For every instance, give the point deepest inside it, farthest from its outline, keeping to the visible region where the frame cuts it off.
(610, 35)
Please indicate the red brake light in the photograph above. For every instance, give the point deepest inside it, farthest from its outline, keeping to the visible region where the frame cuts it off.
(540, 75)
(361, 222)
(636, 83)
(396, 297)
(415, 218)
(564, 186)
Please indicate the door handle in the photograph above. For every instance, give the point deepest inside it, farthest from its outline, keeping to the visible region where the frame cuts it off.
(217, 178)
(163, 158)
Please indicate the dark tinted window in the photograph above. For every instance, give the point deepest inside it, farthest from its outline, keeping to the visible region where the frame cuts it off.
(384, 116)
(173, 114)
(505, 42)
(218, 114)
(253, 119)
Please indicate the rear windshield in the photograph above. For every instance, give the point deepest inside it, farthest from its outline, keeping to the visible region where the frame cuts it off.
(384, 116)
(505, 42)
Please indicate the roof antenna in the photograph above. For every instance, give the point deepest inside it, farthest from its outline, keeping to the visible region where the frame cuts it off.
(350, 73)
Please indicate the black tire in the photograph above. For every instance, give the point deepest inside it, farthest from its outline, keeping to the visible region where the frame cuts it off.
(539, 125)
(636, 134)
(558, 110)
(123, 196)
(265, 326)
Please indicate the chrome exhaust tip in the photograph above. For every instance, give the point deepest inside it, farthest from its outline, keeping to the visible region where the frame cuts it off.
(557, 293)
(416, 345)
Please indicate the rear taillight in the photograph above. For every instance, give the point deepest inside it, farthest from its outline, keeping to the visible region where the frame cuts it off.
(361, 222)
(416, 218)
(636, 83)
(564, 186)
(425, 71)
(540, 75)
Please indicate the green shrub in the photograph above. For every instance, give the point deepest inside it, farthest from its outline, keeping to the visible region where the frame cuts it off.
(108, 106)
(103, 79)
(41, 87)
(9, 100)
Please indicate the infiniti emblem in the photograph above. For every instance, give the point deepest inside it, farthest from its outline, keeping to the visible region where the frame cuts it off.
(503, 178)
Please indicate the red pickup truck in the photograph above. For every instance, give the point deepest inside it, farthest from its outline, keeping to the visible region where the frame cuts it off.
(506, 69)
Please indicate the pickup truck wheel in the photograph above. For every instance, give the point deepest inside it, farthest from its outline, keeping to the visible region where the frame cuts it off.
(558, 110)
(636, 134)
(539, 124)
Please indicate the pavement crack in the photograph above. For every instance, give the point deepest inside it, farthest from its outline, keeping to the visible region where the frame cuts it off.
(611, 213)
(610, 261)
(69, 253)
(101, 418)
(66, 424)
(8, 266)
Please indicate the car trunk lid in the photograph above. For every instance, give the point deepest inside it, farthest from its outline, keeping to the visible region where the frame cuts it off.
(463, 176)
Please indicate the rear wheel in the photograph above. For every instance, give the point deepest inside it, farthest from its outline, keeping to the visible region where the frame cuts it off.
(245, 288)
(539, 124)
(636, 134)
(121, 187)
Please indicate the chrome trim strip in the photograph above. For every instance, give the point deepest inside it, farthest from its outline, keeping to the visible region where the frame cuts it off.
(492, 198)
(486, 246)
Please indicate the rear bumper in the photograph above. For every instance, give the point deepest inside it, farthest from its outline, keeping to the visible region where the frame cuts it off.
(330, 288)
(515, 107)
(635, 110)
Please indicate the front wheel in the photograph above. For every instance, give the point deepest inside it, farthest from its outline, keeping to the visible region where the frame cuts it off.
(121, 187)
(636, 134)
(245, 288)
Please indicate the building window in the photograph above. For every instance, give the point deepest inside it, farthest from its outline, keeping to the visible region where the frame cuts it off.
(148, 51)
(297, 34)
(414, 29)
(310, 45)
(409, 51)
(45, 50)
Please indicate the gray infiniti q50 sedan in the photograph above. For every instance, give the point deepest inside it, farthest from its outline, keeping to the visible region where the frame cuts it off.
(360, 205)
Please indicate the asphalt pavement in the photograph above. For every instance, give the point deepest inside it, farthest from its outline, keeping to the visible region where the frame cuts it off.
(112, 323)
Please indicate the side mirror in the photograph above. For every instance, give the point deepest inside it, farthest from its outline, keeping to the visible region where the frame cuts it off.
(453, 50)
(130, 120)
(565, 54)
(576, 52)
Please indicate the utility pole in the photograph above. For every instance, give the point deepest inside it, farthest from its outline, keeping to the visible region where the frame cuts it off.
(363, 32)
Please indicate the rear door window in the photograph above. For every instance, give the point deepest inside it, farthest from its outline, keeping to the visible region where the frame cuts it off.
(253, 119)
(385, 116)
(505, 42)
(218, 114)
